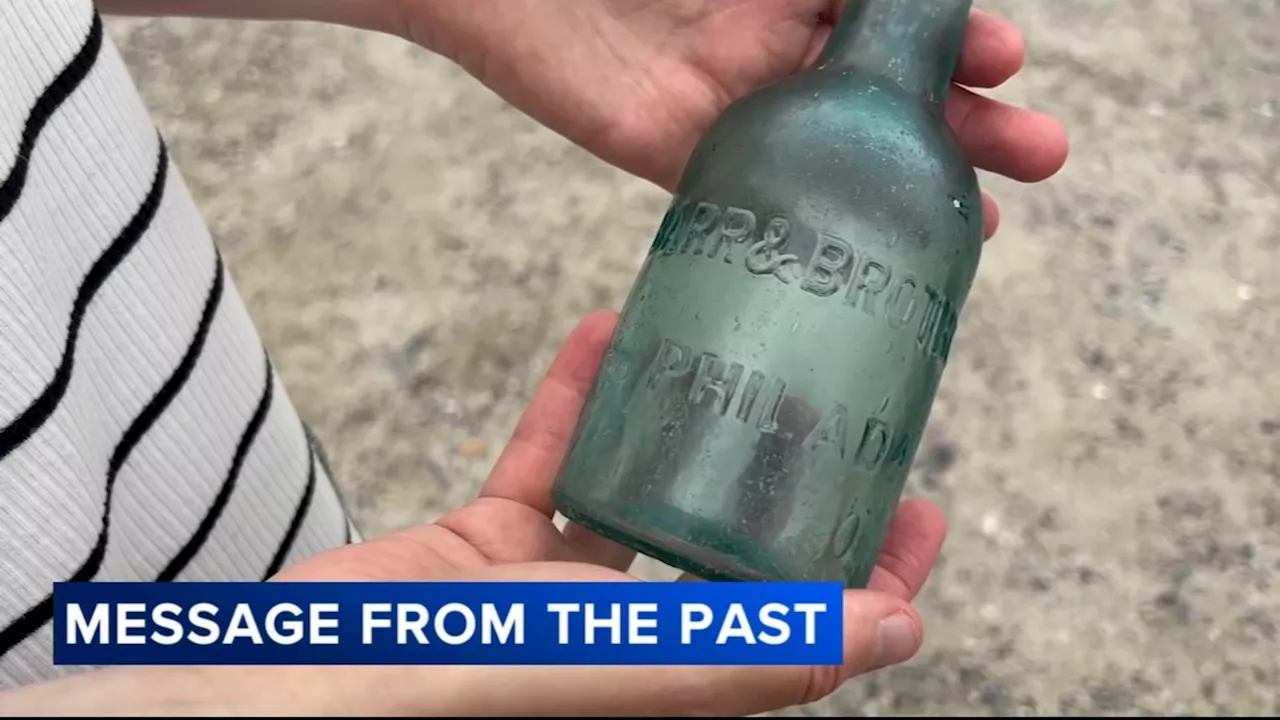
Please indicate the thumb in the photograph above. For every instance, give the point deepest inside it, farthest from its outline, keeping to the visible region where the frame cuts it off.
(879, 630)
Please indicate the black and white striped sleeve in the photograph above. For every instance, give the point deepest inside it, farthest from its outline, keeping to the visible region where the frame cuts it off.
(144, 434)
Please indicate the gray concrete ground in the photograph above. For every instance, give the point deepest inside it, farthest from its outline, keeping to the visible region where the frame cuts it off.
(1107, 437)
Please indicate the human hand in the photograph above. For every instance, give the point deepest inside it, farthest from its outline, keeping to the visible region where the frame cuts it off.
(507, 534)
(637, 82)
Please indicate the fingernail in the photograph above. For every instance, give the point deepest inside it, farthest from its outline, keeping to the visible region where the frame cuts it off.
(897, 640)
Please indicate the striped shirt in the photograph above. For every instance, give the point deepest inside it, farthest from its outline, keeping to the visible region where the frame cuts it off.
(143, 432)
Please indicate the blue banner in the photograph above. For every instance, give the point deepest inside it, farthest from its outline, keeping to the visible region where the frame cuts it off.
(486, 623)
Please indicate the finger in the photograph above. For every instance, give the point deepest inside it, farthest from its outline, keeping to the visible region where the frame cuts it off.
(526, 470)
(990, 216)
(911, 547)
(879, 630)
(993, 49)
(1015, 142)
(597, 549)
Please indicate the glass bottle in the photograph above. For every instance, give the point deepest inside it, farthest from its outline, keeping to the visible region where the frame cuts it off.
(761, 402)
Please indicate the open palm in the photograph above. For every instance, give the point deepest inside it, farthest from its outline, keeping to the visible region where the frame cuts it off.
(636, 82)
(507, 534)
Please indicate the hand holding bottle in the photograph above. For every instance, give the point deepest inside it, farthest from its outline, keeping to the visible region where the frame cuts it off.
(507, 534)
(637, 82)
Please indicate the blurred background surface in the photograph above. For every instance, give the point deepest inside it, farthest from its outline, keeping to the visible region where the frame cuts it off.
(1106, 441)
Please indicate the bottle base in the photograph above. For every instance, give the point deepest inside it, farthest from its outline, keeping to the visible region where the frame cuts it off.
(716, 557)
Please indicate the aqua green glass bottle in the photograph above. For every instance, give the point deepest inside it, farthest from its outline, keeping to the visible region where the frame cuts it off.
(761, 403)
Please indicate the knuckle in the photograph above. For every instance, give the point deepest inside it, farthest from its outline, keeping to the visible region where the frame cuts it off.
(819, 682)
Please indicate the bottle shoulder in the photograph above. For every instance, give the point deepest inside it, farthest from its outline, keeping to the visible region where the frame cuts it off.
(842, 123)
(850, 151)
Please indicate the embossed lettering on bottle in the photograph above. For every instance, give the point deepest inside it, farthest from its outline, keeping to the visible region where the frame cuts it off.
(772, 374)
(855, 277)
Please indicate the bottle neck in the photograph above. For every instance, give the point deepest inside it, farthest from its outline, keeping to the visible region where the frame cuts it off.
(913, 43)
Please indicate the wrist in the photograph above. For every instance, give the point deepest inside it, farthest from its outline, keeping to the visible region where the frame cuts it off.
(454, 29)
(239, 691)
(383, 16)
(334, 691)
